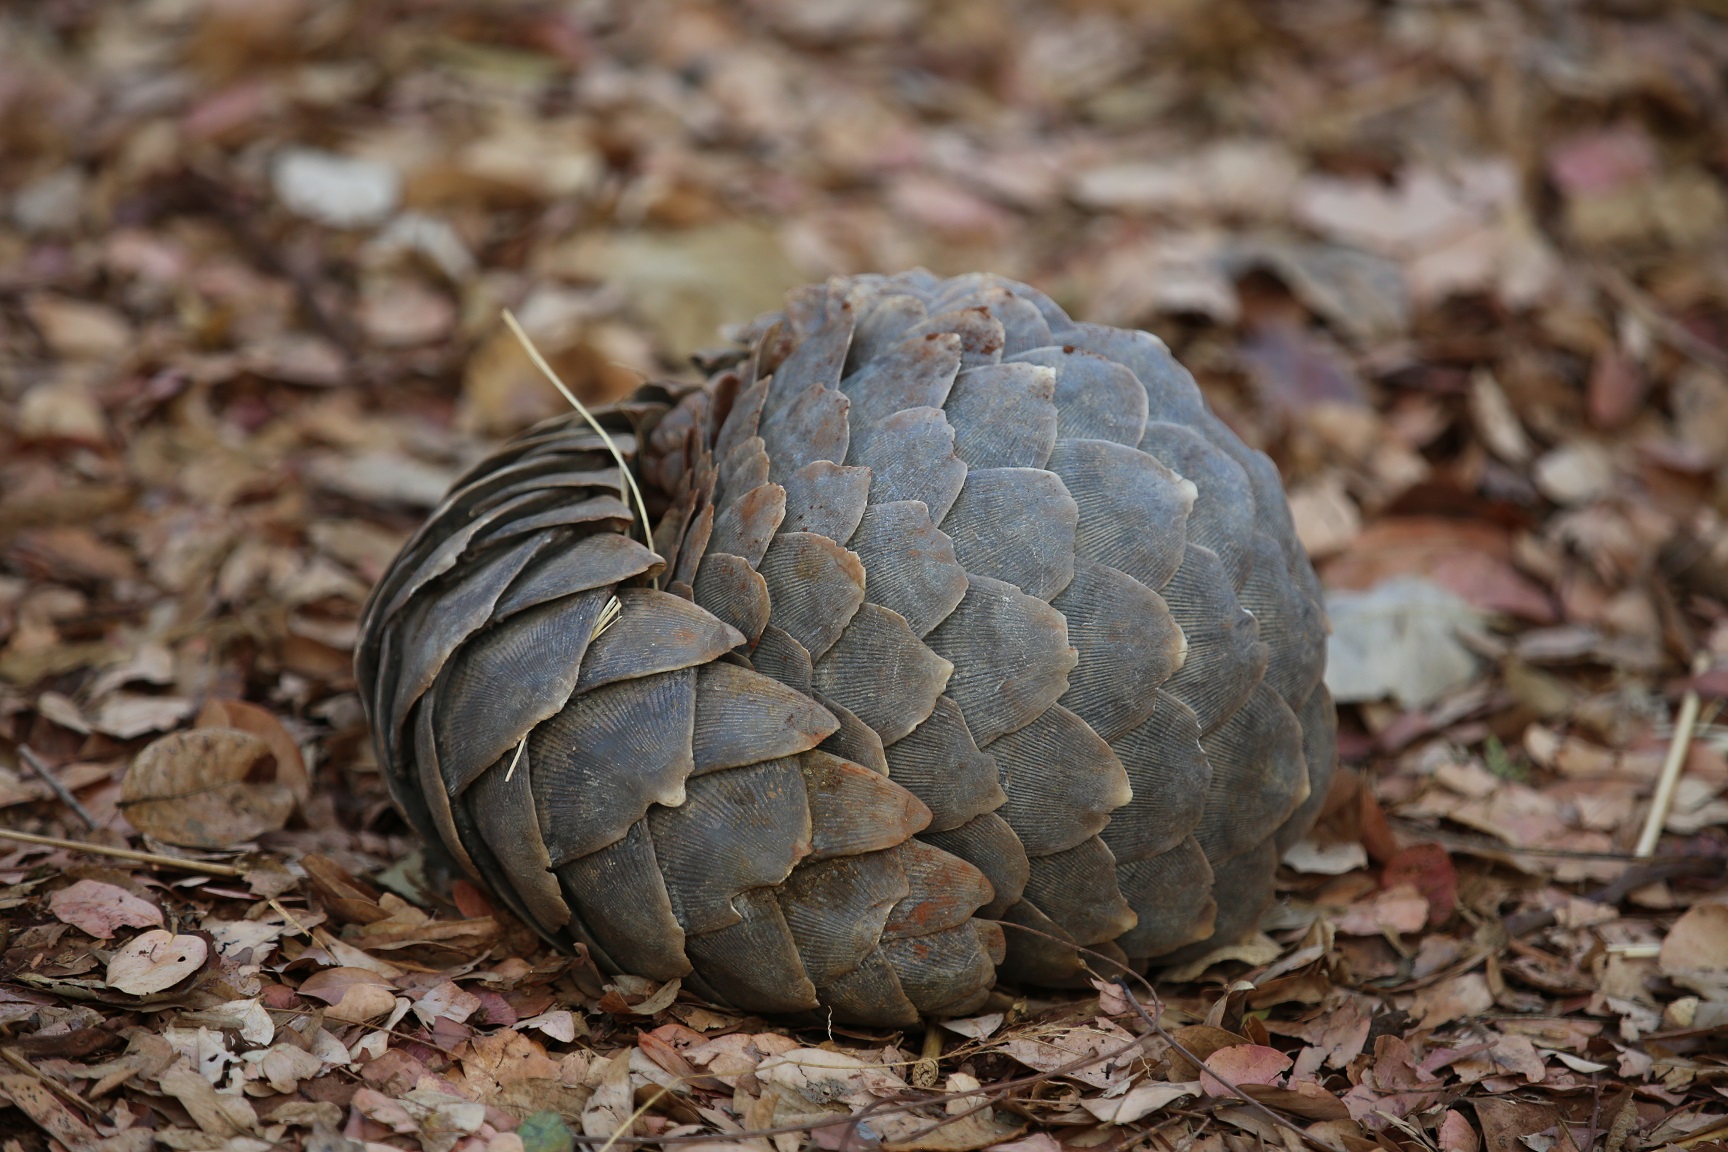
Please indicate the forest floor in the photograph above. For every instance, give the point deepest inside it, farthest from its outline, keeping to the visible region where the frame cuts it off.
(1461, 267)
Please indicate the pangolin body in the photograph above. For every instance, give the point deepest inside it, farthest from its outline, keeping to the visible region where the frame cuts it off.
(966, 634)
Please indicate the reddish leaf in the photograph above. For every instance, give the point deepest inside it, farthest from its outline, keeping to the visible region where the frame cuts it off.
(1427, 868)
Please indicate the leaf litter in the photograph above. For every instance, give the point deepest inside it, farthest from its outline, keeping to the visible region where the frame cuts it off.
(1457, 267)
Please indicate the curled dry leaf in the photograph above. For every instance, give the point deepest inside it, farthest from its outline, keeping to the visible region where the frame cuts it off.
(1145, 1098)
(1456, 1135)
(98, 908)
(208, 788)
(156, 961)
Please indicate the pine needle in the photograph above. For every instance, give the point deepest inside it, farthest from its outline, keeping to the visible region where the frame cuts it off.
(539, 362)
(1663, 801)
(608, 616)
(515, 760)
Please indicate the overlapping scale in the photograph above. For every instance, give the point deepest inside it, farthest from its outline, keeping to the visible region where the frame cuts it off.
(968, 638)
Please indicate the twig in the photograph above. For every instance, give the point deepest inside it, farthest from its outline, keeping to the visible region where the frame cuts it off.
(1676, 335)
(1486, 847)
(1253, 1105)
(66, 1094)
(1628, 881)
(156, 858)
(927, 1067)
(1712, 1132)
(35, 764)
(1663, 801)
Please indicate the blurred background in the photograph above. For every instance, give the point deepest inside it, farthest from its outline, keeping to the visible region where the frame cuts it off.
(1462, 267)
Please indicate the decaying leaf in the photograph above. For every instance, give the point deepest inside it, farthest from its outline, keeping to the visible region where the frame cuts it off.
(207, 788)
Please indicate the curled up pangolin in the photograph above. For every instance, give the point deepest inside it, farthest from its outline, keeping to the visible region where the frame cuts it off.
(960, 617)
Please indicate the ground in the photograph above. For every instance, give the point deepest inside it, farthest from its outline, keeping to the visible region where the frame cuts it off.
(1461, 267)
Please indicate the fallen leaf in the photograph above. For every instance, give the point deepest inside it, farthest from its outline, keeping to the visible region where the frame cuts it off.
(80, 329)
(822, 1076)
(1456, 1135)
(362, 1002)
(1397, 910)
(33, 1097)
(261, 722)
(331, 984)
(976, 1027)
(1242, 1064)
(1399, 640)
(1695, 951)
(907, 1132)
(1427, 868)
(1296, 369)
(1327, 519)
(1459, 998)
(342, 191)
(98, 908)
(1141, 1101)
(154, 961)
(1326, 859)
(1059, 1047)
(1302, 1098)
(1574, 473)
(1471, 559)
(207, 788)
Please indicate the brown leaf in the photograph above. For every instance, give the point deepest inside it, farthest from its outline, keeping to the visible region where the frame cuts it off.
(1506, 1122)
(1395, 910)
(1242, 1064)
(1197, 1042)
(218, 1114)
(1695, 951)
(156, 961)
(1459, 998)
(906, 1132)
(1470, 558)
(331, 984)
(1456, 1135)
(1427, 868)
(33, 1098)
(207, 788)
(1302, 1098)
(340, 892)
(98, 908)
(290, 765)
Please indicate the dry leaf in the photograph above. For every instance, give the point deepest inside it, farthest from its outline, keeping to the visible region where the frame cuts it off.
(1459, 998)
(1695, 951)
(99, 908)
(1056, 1047)
(1143, 1099)
(1242, 1064)
(155, 961)
(261, 722)
(1397, 910)
(207, 788)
